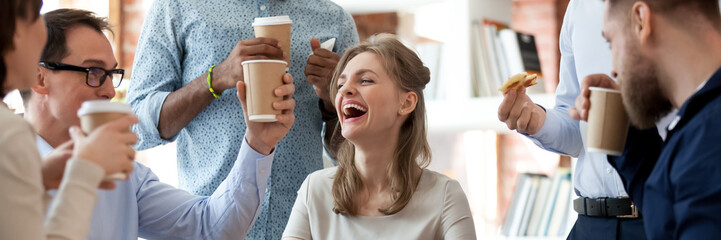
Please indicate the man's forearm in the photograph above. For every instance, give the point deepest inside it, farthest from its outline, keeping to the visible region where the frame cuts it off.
(183, 105)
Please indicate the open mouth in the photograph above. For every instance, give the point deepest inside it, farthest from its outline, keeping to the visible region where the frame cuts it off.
(351, 111)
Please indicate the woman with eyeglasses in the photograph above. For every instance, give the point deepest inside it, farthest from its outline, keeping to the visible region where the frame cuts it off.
(76, 169)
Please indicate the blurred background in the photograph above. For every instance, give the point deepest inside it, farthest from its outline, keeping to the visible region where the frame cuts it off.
(515, 189)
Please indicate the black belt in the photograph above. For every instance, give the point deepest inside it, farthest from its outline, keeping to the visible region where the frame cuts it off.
(605, 207)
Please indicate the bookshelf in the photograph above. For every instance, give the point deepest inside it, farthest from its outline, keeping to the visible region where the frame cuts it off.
(454, 110)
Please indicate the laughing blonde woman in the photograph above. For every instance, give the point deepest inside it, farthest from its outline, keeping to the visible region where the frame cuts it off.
(380, 189)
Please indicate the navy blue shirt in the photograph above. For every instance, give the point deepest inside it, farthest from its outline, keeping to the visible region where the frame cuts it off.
(642, 150)
(682, 196)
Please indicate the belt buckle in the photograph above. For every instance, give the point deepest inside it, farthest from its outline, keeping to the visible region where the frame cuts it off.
(634, 212)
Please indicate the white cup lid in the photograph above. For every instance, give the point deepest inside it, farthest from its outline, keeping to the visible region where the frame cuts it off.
(277, 20)
(264, 61)
(603, 89)
(103, 106)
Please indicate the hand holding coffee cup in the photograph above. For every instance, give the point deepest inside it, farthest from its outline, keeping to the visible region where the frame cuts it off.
(600, 103)
(230, 71)
(607, 122)
(580, 110)
(109, 140)
(53, 167)
(261, 78)
(279, 28)
(263, 135)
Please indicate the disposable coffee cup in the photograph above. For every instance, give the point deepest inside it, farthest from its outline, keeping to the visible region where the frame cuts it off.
(607, 122)
(261, 78)
(96, 113)
(278, 28)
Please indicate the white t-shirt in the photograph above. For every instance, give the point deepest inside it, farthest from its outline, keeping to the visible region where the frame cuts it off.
(438, 210)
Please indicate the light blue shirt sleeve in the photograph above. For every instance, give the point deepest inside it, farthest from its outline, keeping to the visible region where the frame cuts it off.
(560, 133)
(169, 213)
(157, 60)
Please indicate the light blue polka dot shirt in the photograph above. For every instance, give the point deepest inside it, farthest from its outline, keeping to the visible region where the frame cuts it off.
(180, 40)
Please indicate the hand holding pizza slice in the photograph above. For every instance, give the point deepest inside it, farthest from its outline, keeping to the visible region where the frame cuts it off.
(518, 81)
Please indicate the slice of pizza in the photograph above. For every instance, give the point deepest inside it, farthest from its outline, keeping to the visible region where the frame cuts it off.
(518, 81)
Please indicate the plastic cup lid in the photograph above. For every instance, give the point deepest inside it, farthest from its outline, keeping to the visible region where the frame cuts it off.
(277, 20)
(603, 89)
(103, 106)
(263, 61)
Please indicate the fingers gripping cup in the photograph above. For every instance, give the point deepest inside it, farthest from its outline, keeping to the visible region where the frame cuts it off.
(607, 122)
(95, 113)
(278, 28)
(262, 77)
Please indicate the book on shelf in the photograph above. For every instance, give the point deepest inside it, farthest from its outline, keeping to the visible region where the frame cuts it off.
(498, 53)
(562, 204)
(549, 205)
(479, 69)
(515, 211)
(565, 217)
(539, 206)
(521, 55)
(430, 51)
(528, 208)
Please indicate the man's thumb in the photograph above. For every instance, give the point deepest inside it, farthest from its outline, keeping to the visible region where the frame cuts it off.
(314, 43)
(240, 91)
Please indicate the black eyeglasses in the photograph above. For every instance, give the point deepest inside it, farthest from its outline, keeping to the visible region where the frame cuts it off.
(94, 76)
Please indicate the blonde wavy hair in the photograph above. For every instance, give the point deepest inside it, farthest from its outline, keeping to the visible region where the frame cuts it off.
(412, 153)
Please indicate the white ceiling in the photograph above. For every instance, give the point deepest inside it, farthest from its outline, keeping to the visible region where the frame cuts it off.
(375, 6)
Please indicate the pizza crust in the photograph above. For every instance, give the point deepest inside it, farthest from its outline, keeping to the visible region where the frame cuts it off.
(518, 81)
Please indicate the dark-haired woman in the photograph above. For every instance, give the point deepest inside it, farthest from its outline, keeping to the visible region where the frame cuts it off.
(77, 169)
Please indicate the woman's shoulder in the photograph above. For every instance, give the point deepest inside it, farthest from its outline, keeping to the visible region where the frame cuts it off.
(13, 127)
(436, 178)
(325, 174)
(437, 183)
(321, 179)
(317, 186)
(8, 117)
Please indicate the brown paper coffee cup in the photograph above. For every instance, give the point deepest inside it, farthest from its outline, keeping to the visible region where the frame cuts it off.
(278, 28)
(607, 122)
(96, 113)
(261, 78)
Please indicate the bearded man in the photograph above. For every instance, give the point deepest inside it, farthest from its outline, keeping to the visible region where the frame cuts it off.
(667, 55)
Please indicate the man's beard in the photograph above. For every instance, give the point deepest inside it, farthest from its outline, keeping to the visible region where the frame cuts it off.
(643, 98)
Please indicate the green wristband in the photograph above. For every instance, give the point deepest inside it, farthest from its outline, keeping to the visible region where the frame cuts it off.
(210, 86)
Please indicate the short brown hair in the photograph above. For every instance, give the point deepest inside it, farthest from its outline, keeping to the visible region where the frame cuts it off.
(679, 10)
(60, 21)
(10, 10)
(412, 152)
